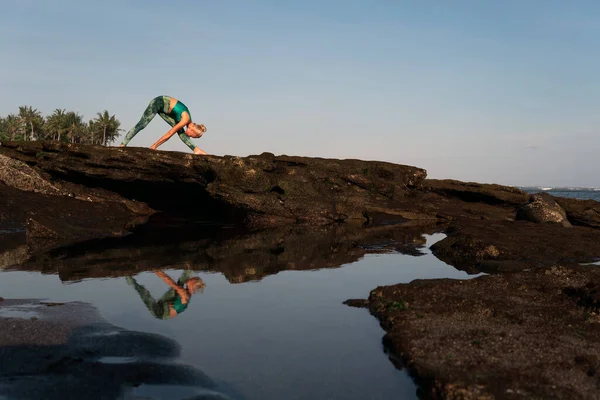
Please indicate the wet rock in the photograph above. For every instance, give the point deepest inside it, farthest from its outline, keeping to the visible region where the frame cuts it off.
(17, 174)
(14, 256)
(587, 296)
(259, 191)
(115, 190)
(542, 208)
(464, 251)
(523, 335)
(472, 192)
(504, 246)
(39, 235)
(581, 212)
(357, 303)
(40, 220)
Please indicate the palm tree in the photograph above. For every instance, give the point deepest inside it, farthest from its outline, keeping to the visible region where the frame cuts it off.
(13, 126)
(74, 126)
(32, 119)
(56, 124)
(92, 130)
(109, 126)
(3, 134)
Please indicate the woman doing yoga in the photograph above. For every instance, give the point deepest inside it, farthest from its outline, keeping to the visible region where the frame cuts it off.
(176, 114)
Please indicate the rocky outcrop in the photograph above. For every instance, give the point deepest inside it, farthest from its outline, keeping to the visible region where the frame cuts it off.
(471, 192)
(503, 246)
(17, 174)
(77, 192)
(542, 208)
(89, 211)
(44, 220)
(516, 336)
(581, 212)
(259, 191)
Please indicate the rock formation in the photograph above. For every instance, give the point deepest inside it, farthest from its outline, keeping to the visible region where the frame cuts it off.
(542, 208)
(114, 211)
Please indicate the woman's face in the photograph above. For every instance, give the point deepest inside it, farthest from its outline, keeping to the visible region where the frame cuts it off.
(195, 284)
(194, 131)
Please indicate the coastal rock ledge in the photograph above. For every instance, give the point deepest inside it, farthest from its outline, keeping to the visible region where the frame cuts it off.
(256, 191)
(525, 335)
(56, 194)
(528, 329)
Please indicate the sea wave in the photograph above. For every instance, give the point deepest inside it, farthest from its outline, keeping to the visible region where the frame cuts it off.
(561, 189)
(577, 192)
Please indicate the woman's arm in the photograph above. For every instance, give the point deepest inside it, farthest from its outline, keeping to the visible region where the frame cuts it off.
(169, 281)
(184, 121)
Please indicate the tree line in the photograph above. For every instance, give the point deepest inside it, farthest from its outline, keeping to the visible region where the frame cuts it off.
(61, 125)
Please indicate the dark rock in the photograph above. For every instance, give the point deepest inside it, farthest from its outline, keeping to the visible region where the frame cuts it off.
(112, 191)
(259, 191)
(16, 174)
(39, 235)
(587, 296)
(472, 192)
(542, 208)
(519, 335)
(49, 220)
(502, 246)
(358, 303)
(581, 212)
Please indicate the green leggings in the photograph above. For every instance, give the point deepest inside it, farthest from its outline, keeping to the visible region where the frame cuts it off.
(160, 308)
(159, 105)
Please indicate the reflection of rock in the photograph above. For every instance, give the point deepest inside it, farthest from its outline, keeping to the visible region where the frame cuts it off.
(39, 235)
(543, 208)
(516, 336)
(68, 352)
(240, 258)
(14, 256)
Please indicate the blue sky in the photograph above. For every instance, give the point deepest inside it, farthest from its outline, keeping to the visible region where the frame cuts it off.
(477, 90)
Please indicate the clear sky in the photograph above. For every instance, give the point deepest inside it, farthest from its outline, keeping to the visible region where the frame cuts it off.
(477, 90)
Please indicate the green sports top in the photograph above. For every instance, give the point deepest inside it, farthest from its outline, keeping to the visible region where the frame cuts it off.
(178, 305)
(179, 109)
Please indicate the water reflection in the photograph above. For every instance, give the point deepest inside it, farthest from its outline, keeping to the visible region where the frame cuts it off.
(69, 352)
(298, 340)
(175, 300)
(241, 258)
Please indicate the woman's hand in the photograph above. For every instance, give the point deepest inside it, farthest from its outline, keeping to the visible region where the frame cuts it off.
(198, 150)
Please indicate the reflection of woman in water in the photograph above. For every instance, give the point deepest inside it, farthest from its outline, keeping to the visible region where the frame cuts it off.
(175, 300)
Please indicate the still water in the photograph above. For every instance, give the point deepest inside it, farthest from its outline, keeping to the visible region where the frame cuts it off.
(284, 336)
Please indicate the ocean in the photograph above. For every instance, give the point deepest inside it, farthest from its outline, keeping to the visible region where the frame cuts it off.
(592, 193)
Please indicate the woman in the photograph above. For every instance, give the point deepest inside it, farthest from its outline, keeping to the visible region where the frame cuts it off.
(176, 114)
(175, 300)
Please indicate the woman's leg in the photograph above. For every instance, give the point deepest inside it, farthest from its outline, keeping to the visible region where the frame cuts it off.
(156, 106)
(184, 138)
(157, 308)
